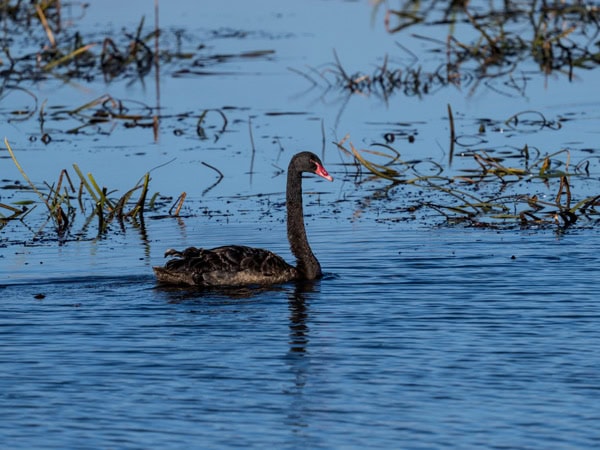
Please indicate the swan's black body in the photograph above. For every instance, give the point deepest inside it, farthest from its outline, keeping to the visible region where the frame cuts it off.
(236, 265)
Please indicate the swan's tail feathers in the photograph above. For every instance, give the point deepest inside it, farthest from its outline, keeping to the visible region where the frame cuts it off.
(166, 276)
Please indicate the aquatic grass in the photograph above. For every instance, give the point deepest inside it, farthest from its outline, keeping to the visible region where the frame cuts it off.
(212, 186)
(106, 112)
(563, 38)
(114, 62)
(406, 171)
(70, 54)
(44, 22)
(66, 58)
(54, 203)
(59, 199)
(201, 123)
(13, 213)
(21, 115)
(106, 208)
(480, 194)
(175, 209)
(377, 169)
(22, 172)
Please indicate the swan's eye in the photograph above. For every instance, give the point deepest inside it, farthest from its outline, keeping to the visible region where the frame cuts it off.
(321, 171)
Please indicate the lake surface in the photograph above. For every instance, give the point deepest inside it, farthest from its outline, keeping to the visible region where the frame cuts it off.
(423, 334)
(414, 339)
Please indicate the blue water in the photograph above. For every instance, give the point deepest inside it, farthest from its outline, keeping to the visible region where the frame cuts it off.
(422, 335)
(430, 339)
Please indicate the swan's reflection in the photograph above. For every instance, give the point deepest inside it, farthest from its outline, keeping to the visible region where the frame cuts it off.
(296, 412)
(298, 316)
(178, 294)
(298, 356)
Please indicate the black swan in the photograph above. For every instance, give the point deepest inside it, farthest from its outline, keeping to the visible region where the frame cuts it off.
(237, 265)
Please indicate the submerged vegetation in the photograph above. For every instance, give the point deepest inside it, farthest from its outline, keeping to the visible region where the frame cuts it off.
(496, 45)
(489, 192)
(499, 45)
(487, 186)
(486, 41)
(40, 44)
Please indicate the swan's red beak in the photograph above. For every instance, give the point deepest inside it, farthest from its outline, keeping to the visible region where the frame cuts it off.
(322, 172)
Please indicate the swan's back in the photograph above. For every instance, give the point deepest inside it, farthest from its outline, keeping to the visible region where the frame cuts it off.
(231, 265)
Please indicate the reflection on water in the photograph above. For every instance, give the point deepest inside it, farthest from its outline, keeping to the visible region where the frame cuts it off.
(297, 357)
(298, 316)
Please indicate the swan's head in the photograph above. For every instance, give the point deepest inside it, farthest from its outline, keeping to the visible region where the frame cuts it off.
(309, 162)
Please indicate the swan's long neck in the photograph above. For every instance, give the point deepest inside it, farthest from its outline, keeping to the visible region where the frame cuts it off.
(306, 263)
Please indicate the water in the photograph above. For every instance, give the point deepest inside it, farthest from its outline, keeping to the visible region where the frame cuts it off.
(430, 339)
(421, 335)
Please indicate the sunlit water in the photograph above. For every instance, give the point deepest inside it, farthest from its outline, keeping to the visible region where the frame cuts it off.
(420, 336)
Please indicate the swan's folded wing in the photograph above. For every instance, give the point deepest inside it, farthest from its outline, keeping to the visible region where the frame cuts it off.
(232, 265)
